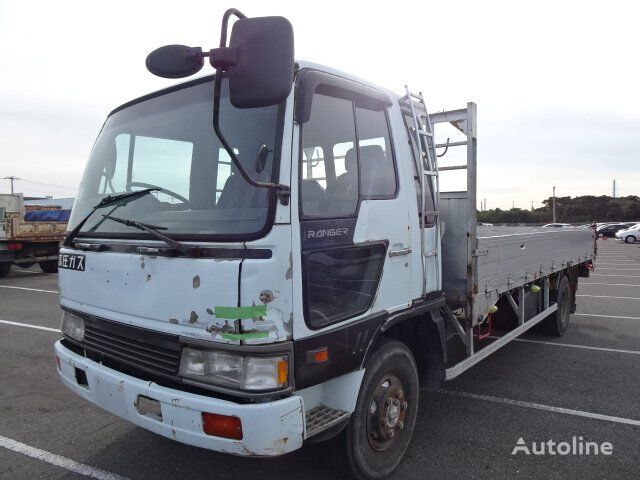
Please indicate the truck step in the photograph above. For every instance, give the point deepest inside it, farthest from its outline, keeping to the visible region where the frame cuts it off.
(320, 418)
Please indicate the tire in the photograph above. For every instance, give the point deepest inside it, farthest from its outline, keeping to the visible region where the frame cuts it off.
(379, 431)
(630, 239)
(49, 266)
(556, 323)
(25, 265)
(5, 268)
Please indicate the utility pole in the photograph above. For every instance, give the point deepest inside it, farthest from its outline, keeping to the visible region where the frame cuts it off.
(12, 178)
(614, 188)
(513, 204)
(554, 204)
(532, 205)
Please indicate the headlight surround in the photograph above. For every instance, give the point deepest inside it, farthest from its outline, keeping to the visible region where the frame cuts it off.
(72, 326)
(252, 373)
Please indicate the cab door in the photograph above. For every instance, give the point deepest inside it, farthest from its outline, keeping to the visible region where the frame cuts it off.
(354, 221)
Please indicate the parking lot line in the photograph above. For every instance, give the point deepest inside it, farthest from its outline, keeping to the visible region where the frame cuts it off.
(548, 408)
(30, 289)
(604, 316)
(607, 296)
(573, 345)
(28, 325)
(612, 284)
(58, 460)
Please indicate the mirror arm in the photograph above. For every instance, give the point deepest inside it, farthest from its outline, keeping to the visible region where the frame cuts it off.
(225, 22)
(283, 191)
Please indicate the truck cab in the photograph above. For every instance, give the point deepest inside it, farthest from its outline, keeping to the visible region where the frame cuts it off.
(255, 260)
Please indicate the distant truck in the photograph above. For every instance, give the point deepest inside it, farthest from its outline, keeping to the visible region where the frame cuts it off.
(30, 234)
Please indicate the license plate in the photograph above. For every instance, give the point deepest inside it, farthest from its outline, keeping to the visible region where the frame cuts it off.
(71, 261)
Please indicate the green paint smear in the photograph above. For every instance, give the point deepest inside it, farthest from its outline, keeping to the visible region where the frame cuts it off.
(244, 336)
(241, 312)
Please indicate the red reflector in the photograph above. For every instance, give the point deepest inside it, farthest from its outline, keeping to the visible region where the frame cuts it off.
(58, 361)
(14, 246)
(222, 426)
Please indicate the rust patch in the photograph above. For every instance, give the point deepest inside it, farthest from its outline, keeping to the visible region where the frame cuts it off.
(226, 328)
(266, 296)
(196, 281)
(209, 311)
(193, 318)
(173, 320)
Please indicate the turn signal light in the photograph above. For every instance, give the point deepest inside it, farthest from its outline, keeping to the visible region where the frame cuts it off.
(14, 246)
(222, 426)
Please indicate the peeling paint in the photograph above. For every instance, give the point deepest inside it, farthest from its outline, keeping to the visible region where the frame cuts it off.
(288, 325)
(193, 318)
(173, 320)
(266, 296)
(226, 328)
(289, 274)
(210, 312)
(196, 281)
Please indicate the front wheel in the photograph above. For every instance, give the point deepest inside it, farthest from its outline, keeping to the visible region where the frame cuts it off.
(379, 430)
(630, 239)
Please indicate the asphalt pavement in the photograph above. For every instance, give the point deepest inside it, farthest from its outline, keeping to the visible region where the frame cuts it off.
(538, 388)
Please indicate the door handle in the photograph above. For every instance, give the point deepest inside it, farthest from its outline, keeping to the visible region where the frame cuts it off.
(399, 252)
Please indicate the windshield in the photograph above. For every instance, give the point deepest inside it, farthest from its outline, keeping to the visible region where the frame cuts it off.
(167, 141)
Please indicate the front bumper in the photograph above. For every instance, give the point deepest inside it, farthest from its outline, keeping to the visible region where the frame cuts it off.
(269, 429)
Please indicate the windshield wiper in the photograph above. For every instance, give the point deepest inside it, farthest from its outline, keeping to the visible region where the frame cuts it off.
(108, 200)
(152, 229)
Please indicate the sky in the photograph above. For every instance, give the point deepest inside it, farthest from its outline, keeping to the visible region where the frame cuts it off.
(556, 82)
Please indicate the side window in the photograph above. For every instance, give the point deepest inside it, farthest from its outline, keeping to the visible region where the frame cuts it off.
(378, 176)
(328, 163)
(429, 204)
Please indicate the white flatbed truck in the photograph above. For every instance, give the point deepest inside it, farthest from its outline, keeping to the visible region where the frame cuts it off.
(293, 274)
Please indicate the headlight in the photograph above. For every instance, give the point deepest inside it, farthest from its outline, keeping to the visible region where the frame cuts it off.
(236, 371)
(72, 326)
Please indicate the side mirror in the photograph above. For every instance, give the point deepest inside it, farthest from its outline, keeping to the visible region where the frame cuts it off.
(175, 61)
(263, 72)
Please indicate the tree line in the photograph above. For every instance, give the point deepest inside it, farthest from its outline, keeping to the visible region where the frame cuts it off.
(585, 209)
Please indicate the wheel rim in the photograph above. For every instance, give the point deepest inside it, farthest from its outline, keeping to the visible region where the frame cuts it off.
(387, 410)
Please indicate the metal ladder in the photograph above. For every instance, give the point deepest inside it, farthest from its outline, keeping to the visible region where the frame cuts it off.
(426, 147)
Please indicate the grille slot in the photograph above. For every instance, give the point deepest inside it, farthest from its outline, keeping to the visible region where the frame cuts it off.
(141, 348)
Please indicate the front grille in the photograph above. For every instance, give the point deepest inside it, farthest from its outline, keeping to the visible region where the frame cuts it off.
(138, 347)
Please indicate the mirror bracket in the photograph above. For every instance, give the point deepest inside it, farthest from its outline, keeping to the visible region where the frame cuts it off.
(223, 57)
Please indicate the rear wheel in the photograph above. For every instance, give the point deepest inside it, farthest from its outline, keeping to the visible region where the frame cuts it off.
(556, 323)
(379, 430)
(5, 268)
(49, 266)
(630, 239)
(25, 265)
